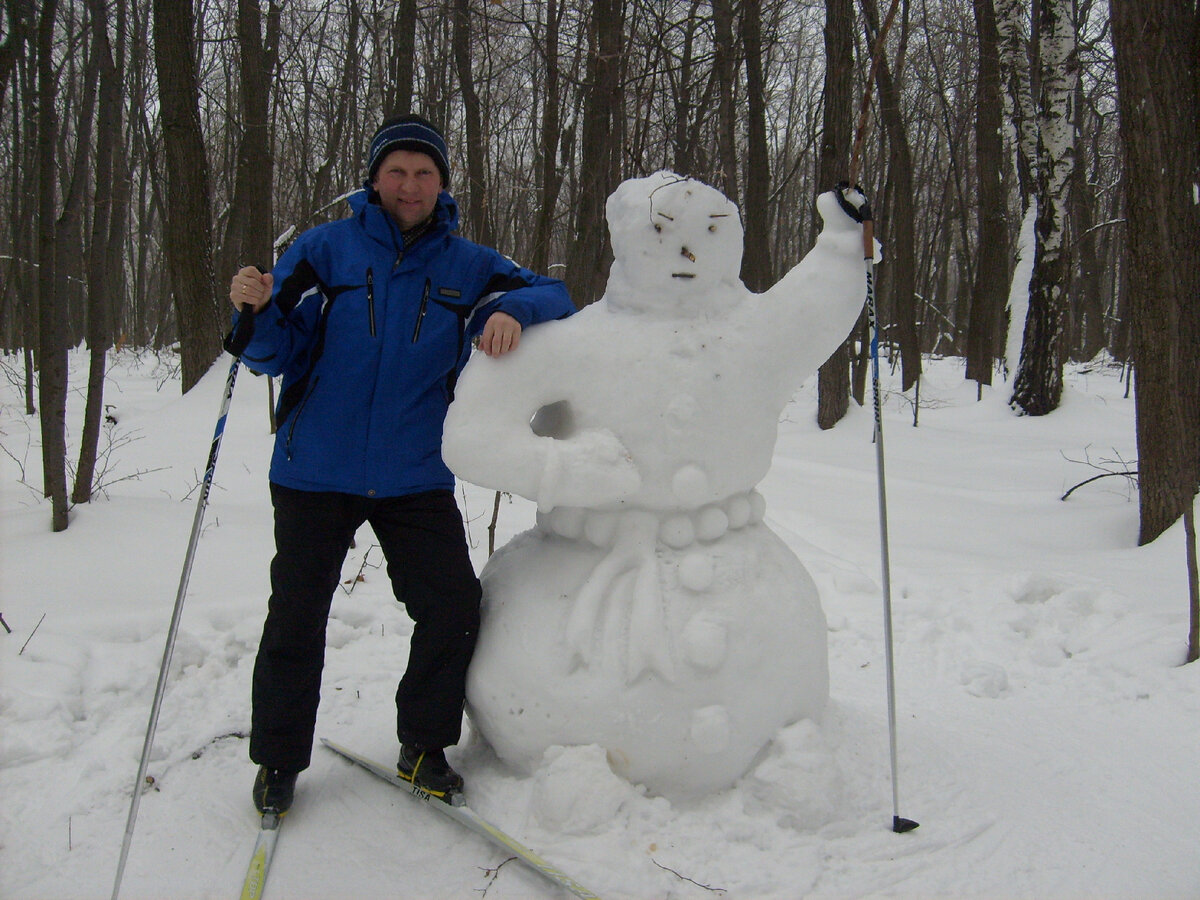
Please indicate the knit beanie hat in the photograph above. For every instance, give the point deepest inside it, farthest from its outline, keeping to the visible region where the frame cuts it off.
(408, 132)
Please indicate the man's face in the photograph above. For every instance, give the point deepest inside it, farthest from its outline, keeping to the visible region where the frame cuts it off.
(408, 183)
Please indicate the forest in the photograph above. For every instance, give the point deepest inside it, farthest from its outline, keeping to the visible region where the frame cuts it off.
(151, 147)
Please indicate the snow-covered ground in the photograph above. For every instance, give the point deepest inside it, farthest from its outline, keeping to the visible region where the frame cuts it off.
(1048, 734)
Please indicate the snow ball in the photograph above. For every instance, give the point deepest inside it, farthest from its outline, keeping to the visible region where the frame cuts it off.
(711, 523)
(799, 777)
(705, 642)
(738, 511)
(576, 792)
(677, 531)
(690, 486)
(696, 571)
(710, 729)
(600, 528)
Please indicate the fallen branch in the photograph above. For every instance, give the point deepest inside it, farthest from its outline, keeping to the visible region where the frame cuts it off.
(685, 878)
(1130, 475)
(31, 634)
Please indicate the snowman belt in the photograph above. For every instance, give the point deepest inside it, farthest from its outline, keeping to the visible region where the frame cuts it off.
(677, 529)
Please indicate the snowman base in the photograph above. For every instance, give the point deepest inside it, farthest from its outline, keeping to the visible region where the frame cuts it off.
(737, 651)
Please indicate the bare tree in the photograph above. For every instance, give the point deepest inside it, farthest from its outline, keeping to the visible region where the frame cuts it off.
(249, 226)
(1037, 388)
(52, 344)
(833, 166)
(589, 253)
(398, 92)
(725, 62)
(990, 291)
(549, 176)
(1158, 80)
(902, 264)
(101, 280)
(477, 200)
(188, 218)
(756, 261)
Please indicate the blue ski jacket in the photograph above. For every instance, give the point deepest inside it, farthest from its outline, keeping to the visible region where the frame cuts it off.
(370, 337)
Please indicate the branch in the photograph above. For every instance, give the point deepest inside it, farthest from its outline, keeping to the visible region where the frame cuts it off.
(685, 878)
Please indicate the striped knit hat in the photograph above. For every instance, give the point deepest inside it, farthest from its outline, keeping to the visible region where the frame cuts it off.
(409, 132)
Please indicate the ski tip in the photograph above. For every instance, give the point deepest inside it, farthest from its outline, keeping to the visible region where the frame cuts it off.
(900, 826)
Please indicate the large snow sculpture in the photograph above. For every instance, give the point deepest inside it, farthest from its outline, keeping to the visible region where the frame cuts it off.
(651, 611)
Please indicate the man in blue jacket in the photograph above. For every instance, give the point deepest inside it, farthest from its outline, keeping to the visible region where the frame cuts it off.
(369, 320)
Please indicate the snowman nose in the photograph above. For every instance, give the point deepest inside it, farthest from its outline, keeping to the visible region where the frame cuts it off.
(688, 253)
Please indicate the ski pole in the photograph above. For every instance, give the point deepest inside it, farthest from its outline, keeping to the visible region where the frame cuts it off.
(899, 824)
(235, 344)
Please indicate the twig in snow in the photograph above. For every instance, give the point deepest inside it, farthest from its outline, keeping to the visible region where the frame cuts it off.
(361, 569)
(492, 874)
(7, 630)
(1126, 471)
(31, 634)
(685, 878)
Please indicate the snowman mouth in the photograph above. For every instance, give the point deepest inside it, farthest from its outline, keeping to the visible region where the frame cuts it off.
(683, 274)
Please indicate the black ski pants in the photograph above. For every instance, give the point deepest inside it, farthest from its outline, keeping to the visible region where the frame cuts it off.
(423, 541)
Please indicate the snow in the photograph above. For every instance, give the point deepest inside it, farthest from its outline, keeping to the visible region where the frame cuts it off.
(1047, 730)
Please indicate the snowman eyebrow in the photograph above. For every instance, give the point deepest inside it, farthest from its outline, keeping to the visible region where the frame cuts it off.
(718, 215)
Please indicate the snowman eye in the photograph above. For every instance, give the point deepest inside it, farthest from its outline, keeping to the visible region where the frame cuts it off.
(712, 227)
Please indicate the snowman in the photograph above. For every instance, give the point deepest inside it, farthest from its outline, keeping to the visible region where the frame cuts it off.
(651, 611)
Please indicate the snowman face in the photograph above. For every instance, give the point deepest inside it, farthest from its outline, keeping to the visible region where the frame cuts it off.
(675, 240)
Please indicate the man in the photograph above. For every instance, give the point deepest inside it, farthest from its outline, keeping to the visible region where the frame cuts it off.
(369, 320)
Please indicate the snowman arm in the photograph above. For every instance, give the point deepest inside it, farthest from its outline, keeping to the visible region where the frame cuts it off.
(489, 439)
(486, 439)
(811, 310)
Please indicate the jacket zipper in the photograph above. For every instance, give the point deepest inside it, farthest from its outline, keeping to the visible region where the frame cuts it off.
(371, 300)
(299, 413)
(421, 311)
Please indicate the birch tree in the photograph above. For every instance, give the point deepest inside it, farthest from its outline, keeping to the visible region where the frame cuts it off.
(1037, 388)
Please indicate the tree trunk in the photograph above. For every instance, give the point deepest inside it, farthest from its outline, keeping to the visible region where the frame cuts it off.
(833, 166)
(323, 191)
(990, 291)
(479, 227)
(99, 279)
(725, 63)
(549, 177)
(398, 95)
(249, 229)
(1158, 81)
(589, 253)
(52, 349)
(1037, 389)
(1012, 16)
(756, 261)
(187, 224)
(902, 263)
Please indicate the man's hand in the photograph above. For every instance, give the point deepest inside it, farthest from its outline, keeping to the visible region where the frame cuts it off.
(250, 287)
(501, 334)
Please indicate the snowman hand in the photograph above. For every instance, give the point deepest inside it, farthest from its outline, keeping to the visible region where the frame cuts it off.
(590, 469)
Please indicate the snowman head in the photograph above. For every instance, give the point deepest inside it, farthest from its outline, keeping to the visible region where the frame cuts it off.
(676, 243)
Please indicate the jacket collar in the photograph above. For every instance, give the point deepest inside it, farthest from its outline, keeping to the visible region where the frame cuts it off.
(383, 230)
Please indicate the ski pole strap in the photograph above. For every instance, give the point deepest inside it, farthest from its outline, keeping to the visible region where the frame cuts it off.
(239, 338)
(857, 213)
(860, 214)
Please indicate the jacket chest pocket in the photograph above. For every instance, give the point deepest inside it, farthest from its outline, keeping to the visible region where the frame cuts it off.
(441, 308)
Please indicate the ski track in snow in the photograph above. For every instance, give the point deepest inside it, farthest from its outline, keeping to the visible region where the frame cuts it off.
(1047, 735)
